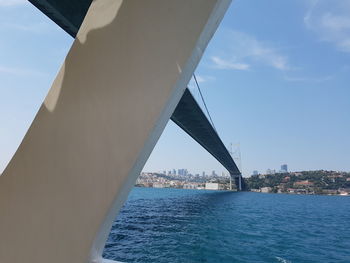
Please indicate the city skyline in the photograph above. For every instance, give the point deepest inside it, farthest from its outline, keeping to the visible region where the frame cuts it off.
(266, 85)
(185, 171)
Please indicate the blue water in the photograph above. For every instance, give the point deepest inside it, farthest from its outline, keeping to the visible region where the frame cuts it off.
(172, 225)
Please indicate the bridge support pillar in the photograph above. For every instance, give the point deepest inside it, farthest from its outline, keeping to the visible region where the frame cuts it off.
(240, 182)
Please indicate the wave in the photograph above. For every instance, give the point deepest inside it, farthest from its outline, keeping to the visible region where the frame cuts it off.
(279, 259)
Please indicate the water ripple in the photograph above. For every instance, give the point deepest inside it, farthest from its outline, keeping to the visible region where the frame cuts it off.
(170, 225)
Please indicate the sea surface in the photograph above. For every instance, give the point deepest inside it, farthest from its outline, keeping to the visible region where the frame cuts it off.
(175, 225)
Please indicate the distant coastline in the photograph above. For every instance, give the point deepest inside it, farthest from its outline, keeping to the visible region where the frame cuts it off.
(319, 182)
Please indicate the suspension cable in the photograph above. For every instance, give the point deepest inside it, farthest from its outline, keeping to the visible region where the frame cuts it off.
(205, 105)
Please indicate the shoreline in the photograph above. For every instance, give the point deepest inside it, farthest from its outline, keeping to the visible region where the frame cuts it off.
(234, 190)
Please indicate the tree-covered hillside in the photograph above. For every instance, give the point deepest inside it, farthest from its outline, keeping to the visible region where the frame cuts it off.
(315, 181)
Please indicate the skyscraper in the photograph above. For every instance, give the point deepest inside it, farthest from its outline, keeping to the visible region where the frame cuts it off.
(284, 168)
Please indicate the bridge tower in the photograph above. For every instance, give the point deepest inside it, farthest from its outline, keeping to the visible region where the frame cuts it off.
(235, 152)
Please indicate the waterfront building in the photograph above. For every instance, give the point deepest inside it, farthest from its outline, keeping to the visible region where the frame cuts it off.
(255, 190)
(190, 186)
(161, 185)
(211, 186)
(265, 189)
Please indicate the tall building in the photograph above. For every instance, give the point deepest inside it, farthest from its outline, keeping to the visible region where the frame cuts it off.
(182, 172)
(255, 172)
(284, 168)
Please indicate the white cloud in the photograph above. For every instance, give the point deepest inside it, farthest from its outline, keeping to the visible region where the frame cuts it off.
(202, 78)
(245, 50)
(330, 20)
(4, 3)
(226, 64)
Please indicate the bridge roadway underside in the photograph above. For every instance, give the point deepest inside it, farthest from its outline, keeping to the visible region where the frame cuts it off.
(69, 15)
(189, 116)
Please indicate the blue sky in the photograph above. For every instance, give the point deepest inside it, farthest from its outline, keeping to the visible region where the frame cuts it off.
(275, 78)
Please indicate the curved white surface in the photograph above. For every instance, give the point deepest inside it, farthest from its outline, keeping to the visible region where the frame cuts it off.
(105, 111)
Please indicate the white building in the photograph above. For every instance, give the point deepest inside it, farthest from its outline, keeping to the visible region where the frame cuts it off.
(211, 186)
(265, 189)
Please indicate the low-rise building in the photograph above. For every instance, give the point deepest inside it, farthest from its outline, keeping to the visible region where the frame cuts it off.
(265, 189)
(255, 190)
(330, 191)
(291, 190)
(190, 186)
(160, 185)
(211, 186)
(344, 191)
